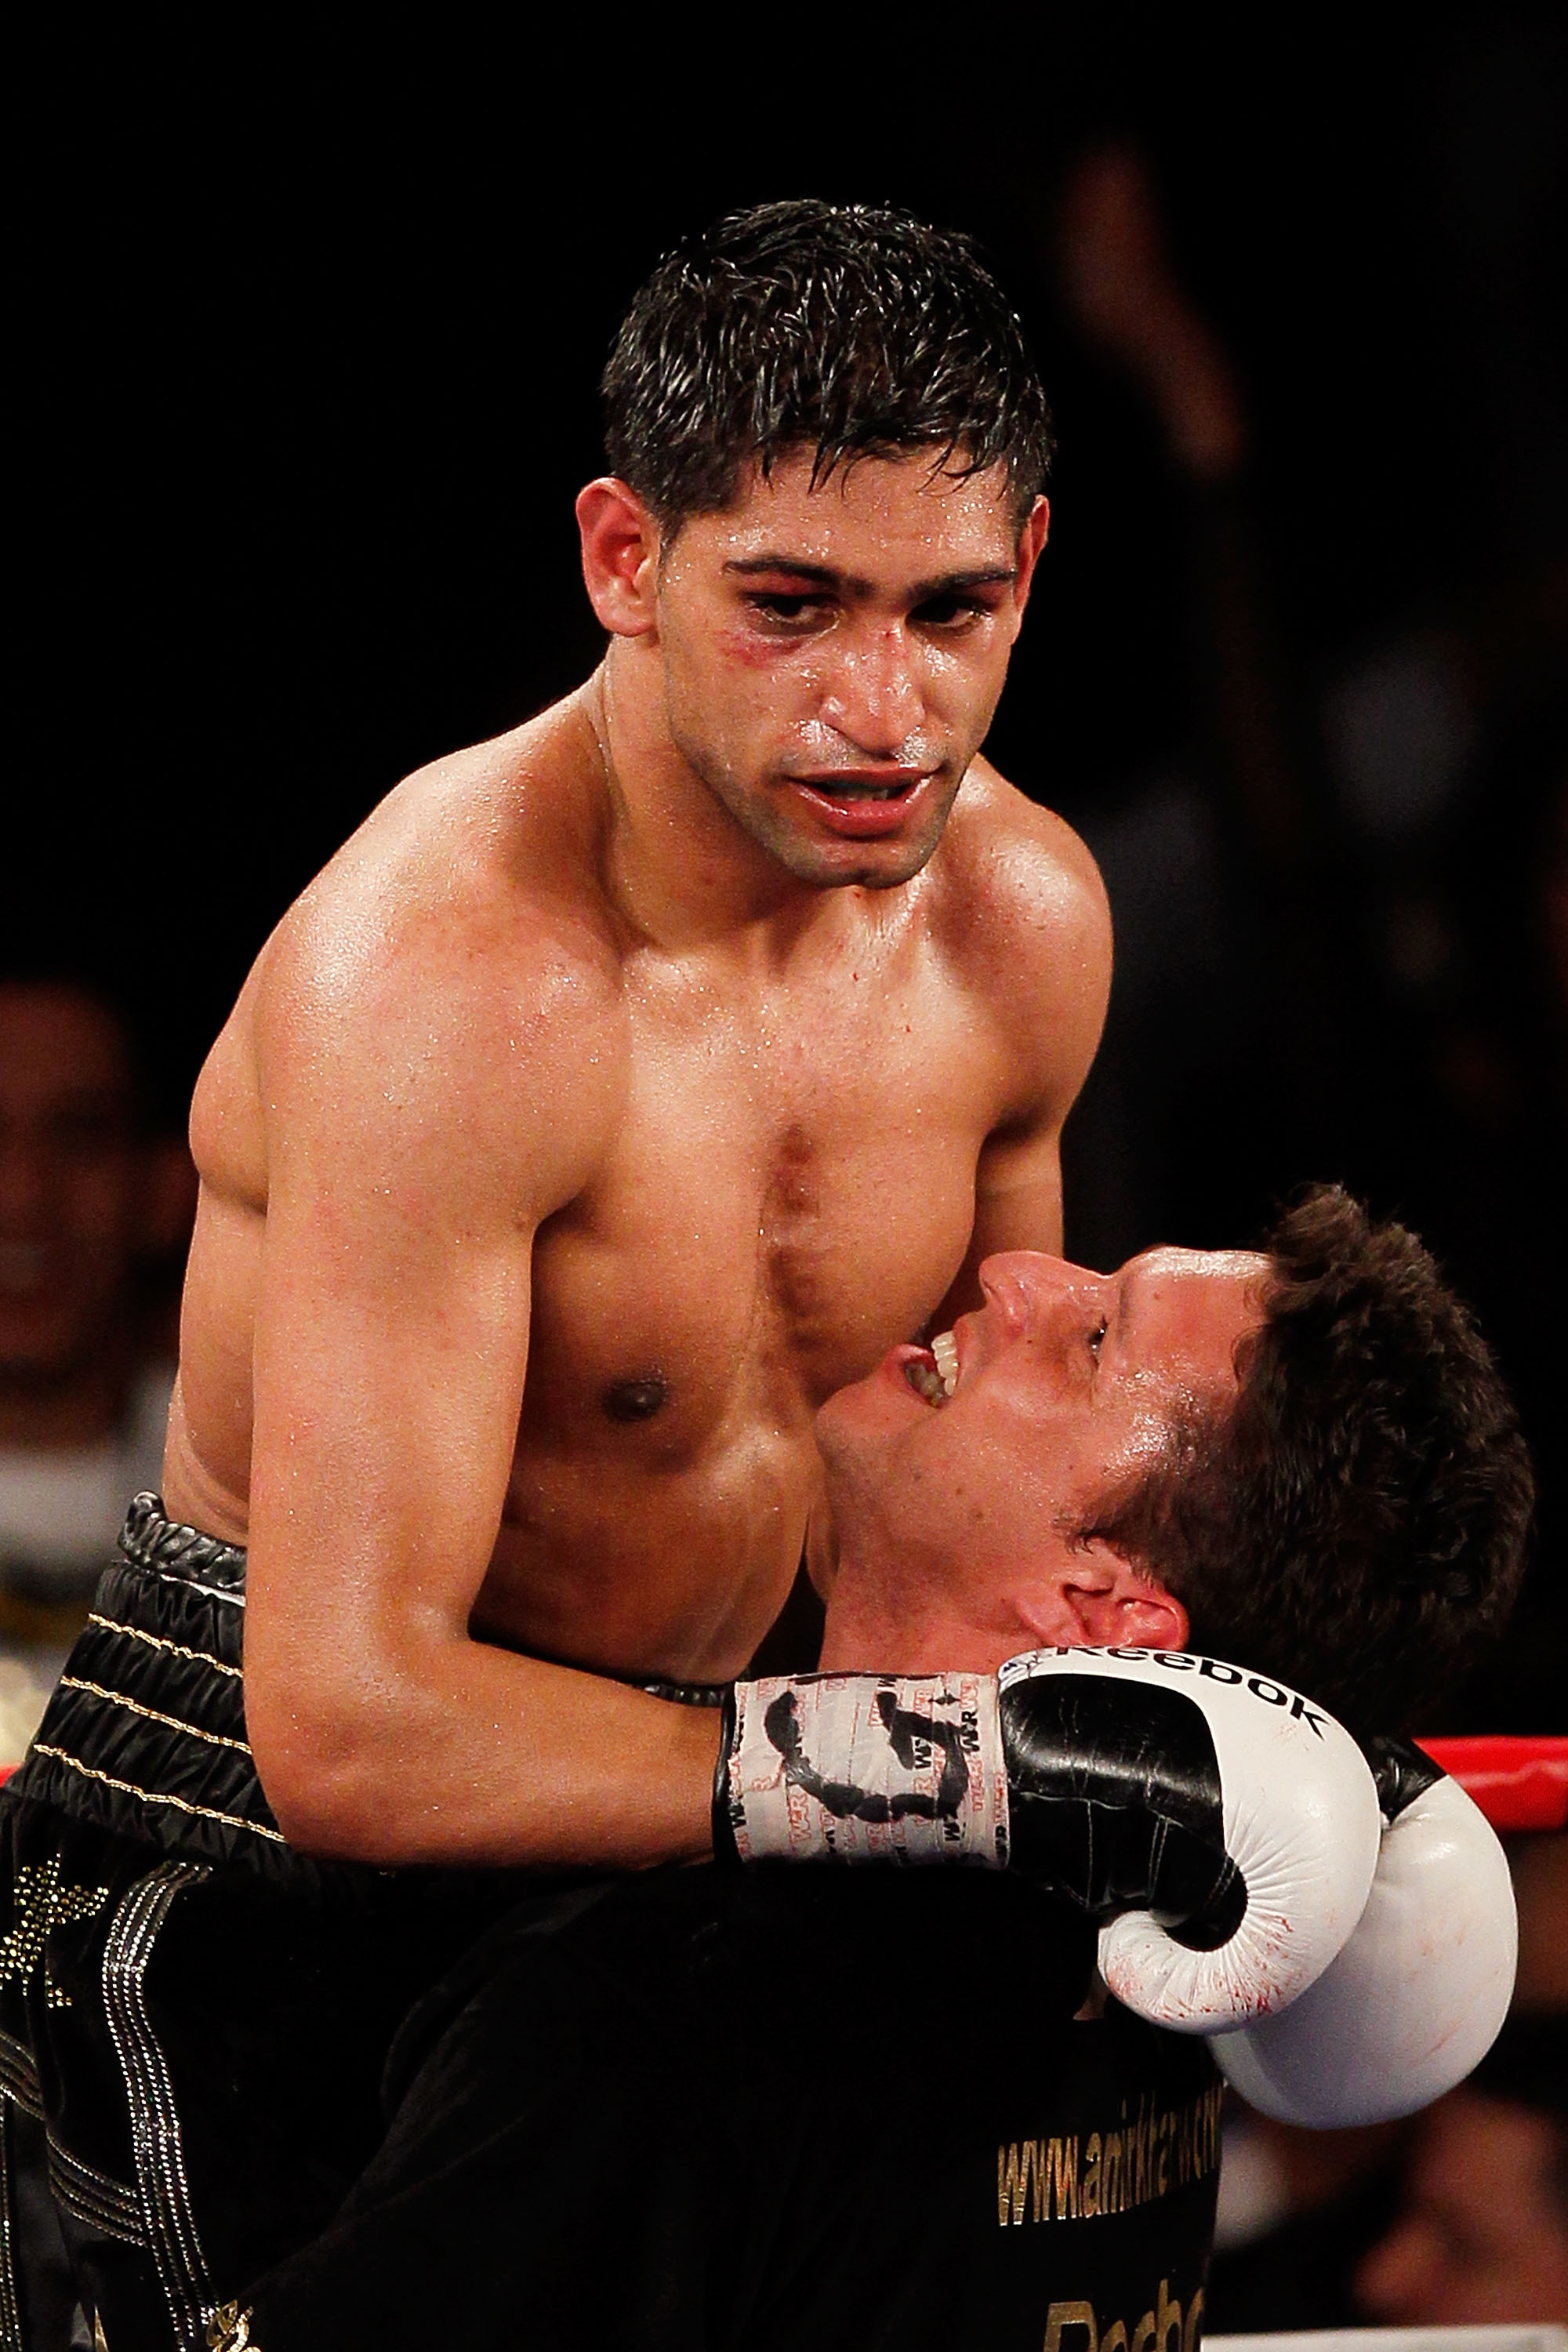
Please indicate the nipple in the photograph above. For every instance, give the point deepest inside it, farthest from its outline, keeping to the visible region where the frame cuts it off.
(637, 1398)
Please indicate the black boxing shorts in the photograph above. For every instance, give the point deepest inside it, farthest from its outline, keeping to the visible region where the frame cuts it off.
(194, 2017)
(765, 2109)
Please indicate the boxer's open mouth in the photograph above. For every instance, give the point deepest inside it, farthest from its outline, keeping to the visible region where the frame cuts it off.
(870, 804)
(839, 785)
(933, 1373)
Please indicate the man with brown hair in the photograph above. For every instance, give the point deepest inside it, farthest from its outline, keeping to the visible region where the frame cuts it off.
(1358, 1521)
(781, 2106)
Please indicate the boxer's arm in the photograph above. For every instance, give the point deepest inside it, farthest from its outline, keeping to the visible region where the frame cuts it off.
(425, 1110)
(1039, 948)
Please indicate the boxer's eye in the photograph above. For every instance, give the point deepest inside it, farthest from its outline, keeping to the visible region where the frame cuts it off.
(788, 613)
(1096, 1336)
(952, 613)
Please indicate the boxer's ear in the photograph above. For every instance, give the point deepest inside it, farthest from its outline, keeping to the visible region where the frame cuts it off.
(620, 556)
(1031, 540)
(1096, 1599)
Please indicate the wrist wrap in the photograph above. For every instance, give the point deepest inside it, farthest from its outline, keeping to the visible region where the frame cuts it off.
(863, 1768)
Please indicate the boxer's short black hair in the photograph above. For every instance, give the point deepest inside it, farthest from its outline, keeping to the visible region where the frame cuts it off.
(1357, 1522)
(848, 329)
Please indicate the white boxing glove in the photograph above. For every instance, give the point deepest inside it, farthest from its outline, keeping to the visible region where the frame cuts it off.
(1419, 1993)
(1221, 1762)
(1224, 1828)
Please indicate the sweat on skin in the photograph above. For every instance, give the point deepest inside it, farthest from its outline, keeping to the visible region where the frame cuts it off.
(557, 1391)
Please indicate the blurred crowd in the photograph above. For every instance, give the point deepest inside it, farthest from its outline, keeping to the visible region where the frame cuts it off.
(95, 1210)
(1339, 873)
(1455, 2217)
(1341, 897)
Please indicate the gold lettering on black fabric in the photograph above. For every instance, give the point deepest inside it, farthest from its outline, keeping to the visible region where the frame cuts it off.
(1091, 2170)
(1167, 2321)
(1160, 2330)
(1139, 2161)
(1194, 2312)
(1062, 2316)
(1013, 2180)
(1061, 2177)
(1111, 2197)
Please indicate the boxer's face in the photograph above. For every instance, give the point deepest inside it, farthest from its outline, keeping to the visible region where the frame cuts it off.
(832, 657)
(1068, 1385)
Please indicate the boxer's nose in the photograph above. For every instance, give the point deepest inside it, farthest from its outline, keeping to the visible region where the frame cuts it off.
(874, 698)
(1044, 1298)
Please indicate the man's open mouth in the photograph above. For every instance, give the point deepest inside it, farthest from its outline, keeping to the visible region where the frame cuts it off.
(849, 789)
(865, 804)
(894, 785)
(932, 1373)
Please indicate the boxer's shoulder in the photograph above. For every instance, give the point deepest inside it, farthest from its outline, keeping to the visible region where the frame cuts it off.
(1023, 916)
(453, 960)
(489, 853)
(1019, 869)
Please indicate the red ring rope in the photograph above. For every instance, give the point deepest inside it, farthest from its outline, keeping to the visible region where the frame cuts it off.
(1518, 1784)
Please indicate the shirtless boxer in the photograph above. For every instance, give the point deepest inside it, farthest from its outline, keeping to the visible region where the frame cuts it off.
(833, 2106)
(621, 1089)
(626, 1085)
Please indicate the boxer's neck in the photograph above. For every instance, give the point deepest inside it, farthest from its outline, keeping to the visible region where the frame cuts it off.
(877, 1623)
(887, 1613)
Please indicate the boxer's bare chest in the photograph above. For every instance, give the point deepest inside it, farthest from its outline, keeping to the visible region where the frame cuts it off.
(788, 1190)
(783, 1185)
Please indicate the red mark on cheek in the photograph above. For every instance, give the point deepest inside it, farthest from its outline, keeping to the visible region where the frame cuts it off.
(745, 652)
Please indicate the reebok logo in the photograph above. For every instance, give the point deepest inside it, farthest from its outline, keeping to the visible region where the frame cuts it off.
(1179, 1661)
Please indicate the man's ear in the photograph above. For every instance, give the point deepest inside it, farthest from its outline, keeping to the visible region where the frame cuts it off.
(620, 556)
(1121, 1608)
(1031, 540)
(1093, 1599)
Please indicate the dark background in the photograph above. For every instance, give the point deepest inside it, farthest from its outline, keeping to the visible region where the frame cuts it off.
(307, 341)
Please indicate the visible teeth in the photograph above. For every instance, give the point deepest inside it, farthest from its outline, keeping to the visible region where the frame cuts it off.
(944, 1348)
(925, 1381)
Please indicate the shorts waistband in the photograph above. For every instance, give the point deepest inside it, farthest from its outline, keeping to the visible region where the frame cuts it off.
(151, 1541)
(145, 1732)
(145, 1735)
